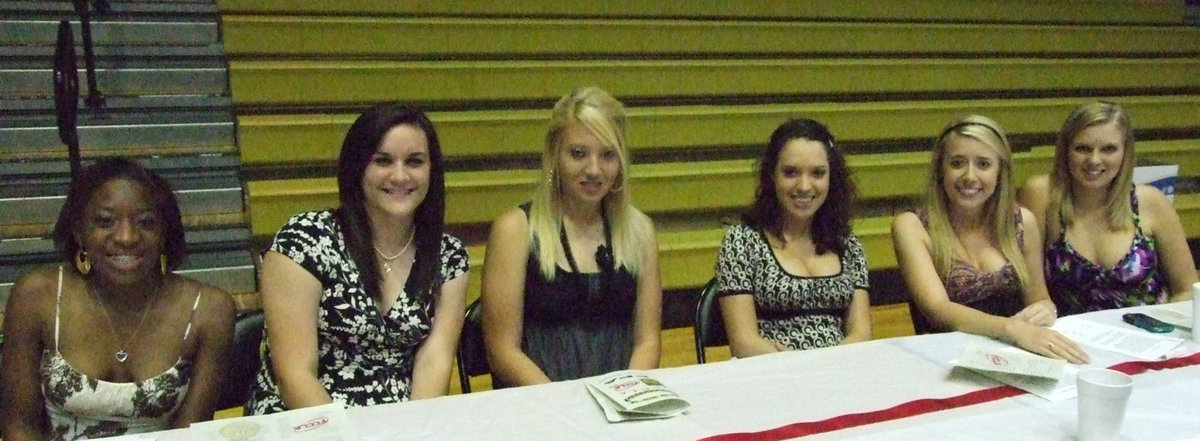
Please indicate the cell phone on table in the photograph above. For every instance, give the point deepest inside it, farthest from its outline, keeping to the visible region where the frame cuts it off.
(1147, 322)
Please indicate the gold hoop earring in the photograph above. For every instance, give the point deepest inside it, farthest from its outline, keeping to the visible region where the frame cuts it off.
(162, 263)
(82, 264)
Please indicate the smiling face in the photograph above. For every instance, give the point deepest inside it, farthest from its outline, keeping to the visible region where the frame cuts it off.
(1095, 156)
(970, 170)
(396, 179)
(801, 179)
(587, 167)
(122, 233)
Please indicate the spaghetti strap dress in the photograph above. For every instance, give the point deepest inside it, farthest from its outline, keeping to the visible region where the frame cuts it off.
(1079, 285)
(577, 324)
(998, 293)
(83, 407)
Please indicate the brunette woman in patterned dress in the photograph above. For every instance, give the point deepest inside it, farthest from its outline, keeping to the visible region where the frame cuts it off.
(1116, 244)
(972, 257)
(793, 275)
(364, 303)
(113, 342)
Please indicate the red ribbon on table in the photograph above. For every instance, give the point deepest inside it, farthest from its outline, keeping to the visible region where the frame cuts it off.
(923, 406)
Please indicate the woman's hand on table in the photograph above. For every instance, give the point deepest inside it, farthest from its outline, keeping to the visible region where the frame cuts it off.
(1045, 341)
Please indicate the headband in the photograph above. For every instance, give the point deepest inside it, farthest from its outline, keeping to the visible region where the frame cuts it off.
(972, 123)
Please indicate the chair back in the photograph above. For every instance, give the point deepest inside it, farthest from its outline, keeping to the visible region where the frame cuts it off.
(921, 324)
(709, 326)
(245, 360)
(472, 356)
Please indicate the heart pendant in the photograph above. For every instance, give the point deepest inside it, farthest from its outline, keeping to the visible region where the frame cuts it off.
(121, 356)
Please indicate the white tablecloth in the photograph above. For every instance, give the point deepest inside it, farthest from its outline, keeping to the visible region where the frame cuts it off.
(767, 392)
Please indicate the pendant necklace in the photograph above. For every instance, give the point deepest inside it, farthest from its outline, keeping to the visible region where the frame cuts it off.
(387, 260)
(122, 354)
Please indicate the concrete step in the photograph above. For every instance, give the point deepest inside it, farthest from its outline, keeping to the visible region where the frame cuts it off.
(126, 81)
(32, 192)
(44, 33)
(65, 10)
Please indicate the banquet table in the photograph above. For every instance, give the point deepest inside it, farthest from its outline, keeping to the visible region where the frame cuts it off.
(889, 389)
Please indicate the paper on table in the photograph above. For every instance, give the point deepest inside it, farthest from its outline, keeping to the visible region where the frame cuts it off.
(1049, 389)
(1029, 372)
(1011, 360)
(1135, 343)
(328, 422)
(133, 437)
(632, 395)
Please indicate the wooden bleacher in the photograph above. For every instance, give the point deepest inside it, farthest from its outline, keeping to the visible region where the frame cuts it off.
(705, 84)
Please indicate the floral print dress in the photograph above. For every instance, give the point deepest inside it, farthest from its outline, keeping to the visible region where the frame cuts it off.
(365, 358)
(83, 407)
(1079, 285)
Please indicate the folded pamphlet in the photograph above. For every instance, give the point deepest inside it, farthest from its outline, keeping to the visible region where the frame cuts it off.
(328, 422)
(1038, 375)
(633, 395)
(1010, 360)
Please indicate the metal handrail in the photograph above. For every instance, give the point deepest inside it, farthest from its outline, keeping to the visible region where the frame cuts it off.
(66, 93)
(95, 99)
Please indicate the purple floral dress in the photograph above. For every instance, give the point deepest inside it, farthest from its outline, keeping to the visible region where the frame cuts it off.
(1079, 285)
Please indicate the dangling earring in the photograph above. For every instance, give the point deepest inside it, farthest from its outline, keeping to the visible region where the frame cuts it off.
(550, 177)
(162, 263)
(81, 262)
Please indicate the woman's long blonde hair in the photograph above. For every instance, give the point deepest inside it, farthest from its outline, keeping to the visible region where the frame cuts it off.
(1120, 210)
(1000, 208)
(604, 117)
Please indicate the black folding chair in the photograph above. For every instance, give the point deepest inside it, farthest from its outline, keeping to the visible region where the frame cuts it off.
(245, 359)
(709, 328)
(472, 357)
(921, 324)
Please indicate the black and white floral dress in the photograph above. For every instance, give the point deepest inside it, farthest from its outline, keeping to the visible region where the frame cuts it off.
(364, 358)
(801, 312)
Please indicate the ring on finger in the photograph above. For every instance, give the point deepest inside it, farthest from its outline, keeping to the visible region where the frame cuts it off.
(1050, 346)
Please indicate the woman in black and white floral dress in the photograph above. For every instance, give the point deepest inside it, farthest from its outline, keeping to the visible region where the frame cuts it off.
(794, 276)
(364, 303)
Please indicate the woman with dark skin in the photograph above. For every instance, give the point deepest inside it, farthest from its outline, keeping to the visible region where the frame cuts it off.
(112, 341)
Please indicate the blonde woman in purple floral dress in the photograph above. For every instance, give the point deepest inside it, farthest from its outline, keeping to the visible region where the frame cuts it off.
(1115, 244)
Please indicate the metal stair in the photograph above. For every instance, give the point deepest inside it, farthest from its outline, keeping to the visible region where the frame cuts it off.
(161, 68)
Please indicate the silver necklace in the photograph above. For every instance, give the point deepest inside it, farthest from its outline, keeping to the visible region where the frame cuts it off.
(122, 354)
(387, 260)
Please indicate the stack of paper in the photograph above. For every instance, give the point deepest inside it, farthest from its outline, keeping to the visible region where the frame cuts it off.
(1122, 340)
(632, 395)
